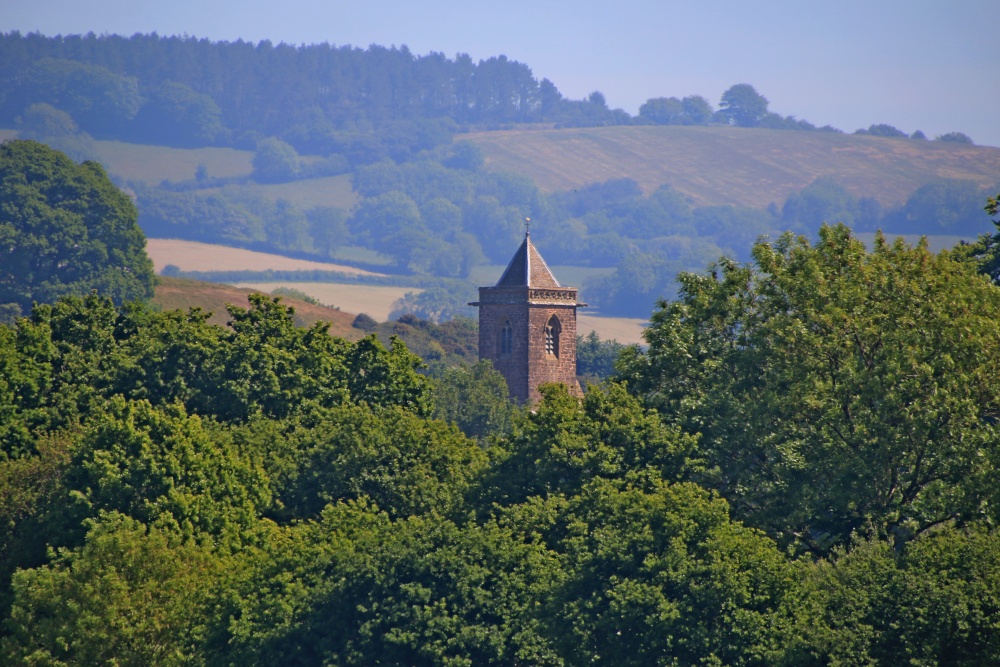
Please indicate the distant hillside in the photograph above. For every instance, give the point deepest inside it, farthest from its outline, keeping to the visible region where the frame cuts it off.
(179, 293)
(712, 165)
(464, 206)
(729, 165)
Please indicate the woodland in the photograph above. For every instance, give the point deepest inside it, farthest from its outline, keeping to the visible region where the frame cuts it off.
(800, 466)
(393, 122)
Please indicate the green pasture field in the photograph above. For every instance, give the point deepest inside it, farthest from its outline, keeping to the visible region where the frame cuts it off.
(359, 255)
(153, 164)
(334, 191)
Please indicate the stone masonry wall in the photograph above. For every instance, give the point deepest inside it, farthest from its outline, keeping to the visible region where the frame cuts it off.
(528, 365)
(513, 367)
(542, 367)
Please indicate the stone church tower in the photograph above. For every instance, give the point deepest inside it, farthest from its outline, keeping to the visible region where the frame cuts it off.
(527, 326)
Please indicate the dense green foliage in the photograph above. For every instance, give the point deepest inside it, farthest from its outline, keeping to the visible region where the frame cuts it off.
(800, 469)
(177, 493)
(835, 391)
(595, 358)
(474, 398)
(65, 229)
(320, 98)
(956, 137)
(985, 252)
(742, 105)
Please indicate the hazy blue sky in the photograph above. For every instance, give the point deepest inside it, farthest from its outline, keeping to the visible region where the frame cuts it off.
(932, 65)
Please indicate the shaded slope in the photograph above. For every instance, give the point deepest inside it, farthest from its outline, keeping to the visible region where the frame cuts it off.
(180, 293)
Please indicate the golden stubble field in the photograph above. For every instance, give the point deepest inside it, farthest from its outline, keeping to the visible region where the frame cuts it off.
(374, 300)
(195, 256)
(623, 329)
(729, 165)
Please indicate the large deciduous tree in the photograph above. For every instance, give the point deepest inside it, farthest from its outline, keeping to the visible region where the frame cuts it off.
(66, 229)
(275, 162)
(662, 110)
(835, 389)
(692, 110)
(742, 105)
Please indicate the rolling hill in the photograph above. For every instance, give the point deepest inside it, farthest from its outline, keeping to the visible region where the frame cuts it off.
(730, 165)
(180, 293)
(712, 165)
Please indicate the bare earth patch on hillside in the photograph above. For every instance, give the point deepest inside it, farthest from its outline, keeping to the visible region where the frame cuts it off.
(375, 300)
(195, 256)
(182, 294)
(726, 165)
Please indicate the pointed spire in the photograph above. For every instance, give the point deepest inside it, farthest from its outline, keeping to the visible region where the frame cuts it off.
(527, 268)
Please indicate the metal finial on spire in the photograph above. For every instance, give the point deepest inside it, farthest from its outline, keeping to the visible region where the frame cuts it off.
(527, 226)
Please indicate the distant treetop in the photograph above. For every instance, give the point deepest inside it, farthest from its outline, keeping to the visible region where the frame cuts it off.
(956, 137)
(322, 99)
(742, 105)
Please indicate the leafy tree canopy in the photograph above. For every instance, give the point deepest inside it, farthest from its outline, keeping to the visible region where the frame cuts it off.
(475, 399)
(835, 389)
(742, 105)
(66, 229)
(955, 137)
(173, 492)
(176, 115)
(883, 130)
(595, 358)
(275, 161)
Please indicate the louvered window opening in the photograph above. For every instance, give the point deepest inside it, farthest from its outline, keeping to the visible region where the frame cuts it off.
(552, 338)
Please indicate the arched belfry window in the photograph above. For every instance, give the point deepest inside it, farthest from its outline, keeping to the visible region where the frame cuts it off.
(506, 339)
(552, 331)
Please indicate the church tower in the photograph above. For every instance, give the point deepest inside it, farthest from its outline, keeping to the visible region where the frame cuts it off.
(527, 326)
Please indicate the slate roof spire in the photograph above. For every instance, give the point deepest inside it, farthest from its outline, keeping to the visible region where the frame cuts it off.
(527, 268)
